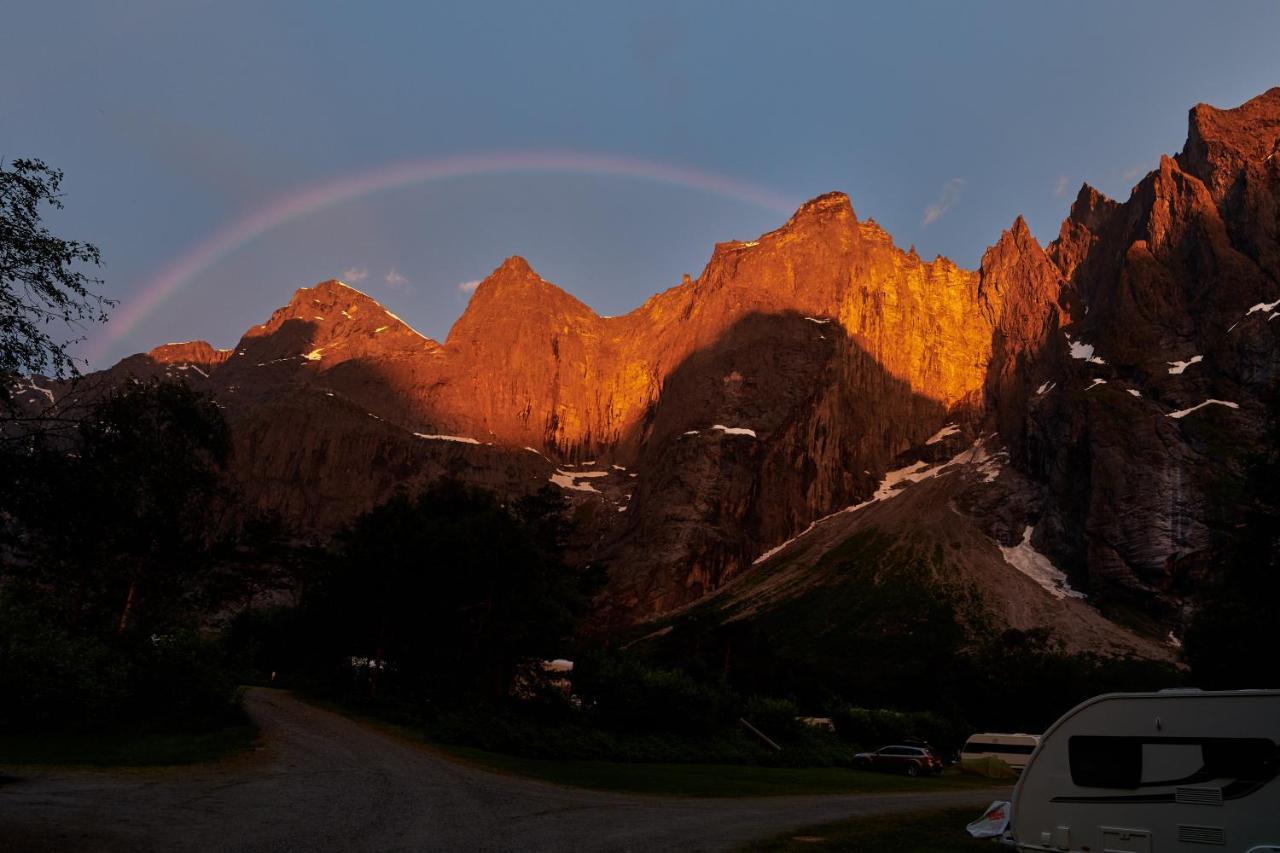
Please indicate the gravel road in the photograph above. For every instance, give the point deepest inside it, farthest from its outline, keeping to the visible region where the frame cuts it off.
(322, 782)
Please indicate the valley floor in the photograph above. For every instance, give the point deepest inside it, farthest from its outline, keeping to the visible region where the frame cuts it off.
(323, 782)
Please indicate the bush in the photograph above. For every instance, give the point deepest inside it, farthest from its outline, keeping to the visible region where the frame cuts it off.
(52, 678)
(774, 717)
(873, 728)
(625, 694)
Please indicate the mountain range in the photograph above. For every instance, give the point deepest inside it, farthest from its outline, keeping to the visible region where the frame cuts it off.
(1062, 433)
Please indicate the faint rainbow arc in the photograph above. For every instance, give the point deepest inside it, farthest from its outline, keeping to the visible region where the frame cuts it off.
(231, 237)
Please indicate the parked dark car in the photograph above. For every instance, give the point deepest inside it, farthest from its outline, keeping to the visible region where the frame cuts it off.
(912, 760)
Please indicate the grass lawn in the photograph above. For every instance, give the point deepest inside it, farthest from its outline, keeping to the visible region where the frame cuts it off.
(940, 831)
(129, 749)
(678, 780)
(708, 780)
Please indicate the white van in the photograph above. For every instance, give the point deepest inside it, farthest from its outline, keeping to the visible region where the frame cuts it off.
(1013, 749)
(1178, 770)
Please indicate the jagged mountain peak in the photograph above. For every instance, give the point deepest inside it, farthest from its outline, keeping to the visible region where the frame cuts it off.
(834, 203)
(1223, 143)
(1018, 284)
(514, 296)
(315, 303)
(1091, 208)
(192, 352)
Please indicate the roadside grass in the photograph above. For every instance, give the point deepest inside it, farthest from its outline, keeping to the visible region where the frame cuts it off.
(673, 779)
(127, 749)
(940, 831)
(708, 780)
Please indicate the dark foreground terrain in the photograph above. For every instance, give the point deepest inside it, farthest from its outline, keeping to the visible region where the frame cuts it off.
(323, 782)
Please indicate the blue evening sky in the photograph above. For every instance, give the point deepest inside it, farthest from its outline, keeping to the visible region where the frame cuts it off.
(175, 119)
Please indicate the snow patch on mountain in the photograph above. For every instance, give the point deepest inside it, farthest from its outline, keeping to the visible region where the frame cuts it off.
(403, 323)
(569, 480)
(1177, 367)
(1026, 559)
(1081, 350)
(1182, 413)
(949, 429)
(462, 439)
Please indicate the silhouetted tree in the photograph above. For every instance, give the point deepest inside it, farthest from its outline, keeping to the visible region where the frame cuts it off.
(118, 521)
(109, 540)
(451, 590)
(42, 283)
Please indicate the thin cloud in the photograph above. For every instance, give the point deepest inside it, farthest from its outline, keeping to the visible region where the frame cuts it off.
(355, 275)
(950, 195)
(468, 286)
(1062, 187)
(1133, 173)
(395, 280)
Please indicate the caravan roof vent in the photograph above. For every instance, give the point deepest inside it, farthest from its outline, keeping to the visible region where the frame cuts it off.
(1198, 796)
(1202, 834)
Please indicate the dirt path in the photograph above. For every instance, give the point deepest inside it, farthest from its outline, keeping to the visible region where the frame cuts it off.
(323, 782)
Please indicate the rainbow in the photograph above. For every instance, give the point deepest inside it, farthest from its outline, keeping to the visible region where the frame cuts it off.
(228, 239)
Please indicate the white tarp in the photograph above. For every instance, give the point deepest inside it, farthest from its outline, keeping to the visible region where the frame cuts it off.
(993, 823)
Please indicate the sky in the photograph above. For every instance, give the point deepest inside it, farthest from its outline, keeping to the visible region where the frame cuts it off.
(223, 154)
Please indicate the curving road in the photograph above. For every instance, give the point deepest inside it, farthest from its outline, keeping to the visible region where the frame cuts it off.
(323, 782)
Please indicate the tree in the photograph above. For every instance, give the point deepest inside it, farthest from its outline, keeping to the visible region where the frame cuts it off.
(450, 590)
(109, 542)
(146, 473)
(1230, 640)
(42, 282)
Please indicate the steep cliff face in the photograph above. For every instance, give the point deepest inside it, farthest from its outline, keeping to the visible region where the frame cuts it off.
(1025, 300)
(1157, 392)
(529, 364)
(1114, 383)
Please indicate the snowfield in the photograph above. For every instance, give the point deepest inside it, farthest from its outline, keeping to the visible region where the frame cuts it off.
(1038, 567)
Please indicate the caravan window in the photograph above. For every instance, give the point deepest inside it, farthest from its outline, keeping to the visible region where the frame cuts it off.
(1148, 762)
(979, 747)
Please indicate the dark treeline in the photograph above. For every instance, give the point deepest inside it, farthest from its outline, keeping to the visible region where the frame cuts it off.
(128, 598)
(437, 597)
(108, 532)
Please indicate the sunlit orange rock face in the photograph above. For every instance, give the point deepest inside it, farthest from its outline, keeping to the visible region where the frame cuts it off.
(530, 365)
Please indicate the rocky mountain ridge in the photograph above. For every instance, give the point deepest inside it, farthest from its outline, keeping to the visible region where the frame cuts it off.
(1126, 371)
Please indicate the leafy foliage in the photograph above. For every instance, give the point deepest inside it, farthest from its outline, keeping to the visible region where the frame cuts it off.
(448, 591)
(873, 728)
(41, 280)
(109, 536)
(624, 693)
(146, 469)
(53, 676)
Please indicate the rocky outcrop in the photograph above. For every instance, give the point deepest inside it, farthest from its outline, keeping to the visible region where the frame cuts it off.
(1139, 482)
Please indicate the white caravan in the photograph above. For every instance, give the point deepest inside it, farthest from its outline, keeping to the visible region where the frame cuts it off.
(1180, 771)
(1013, 749)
